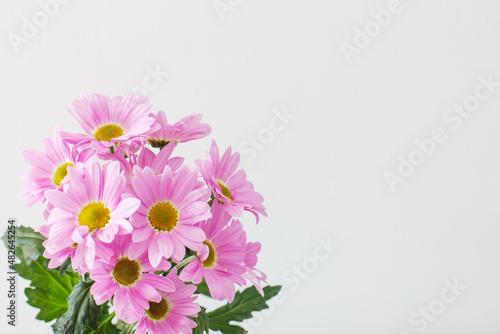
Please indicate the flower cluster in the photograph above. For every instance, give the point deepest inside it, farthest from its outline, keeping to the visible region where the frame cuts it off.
(143, 225)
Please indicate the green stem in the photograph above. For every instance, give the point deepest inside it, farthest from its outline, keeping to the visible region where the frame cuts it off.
(185, 261)
(129, 328)
(124, 327)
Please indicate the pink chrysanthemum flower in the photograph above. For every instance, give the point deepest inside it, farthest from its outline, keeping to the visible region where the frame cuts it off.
(49, 168)
(230, 187)
(89, 212)
(171, 204)
(147, 158)
(46, 211)
(170, 315)
(253, 275)
(77, 254)
(187, 129)
(119, 124)
(133, 283)
(221, 261)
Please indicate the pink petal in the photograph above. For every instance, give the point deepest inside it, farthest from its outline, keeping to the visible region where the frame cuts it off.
(126, 207)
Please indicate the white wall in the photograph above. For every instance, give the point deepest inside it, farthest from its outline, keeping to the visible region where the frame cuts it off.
(323, 173)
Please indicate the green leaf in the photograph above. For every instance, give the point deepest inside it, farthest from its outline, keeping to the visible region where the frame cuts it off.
(104, 323)
(30, 241)
(241, 308)
(66, 268)
(82, 311)
(202, 288)
(48, 290)
(105, 326)
(50, 308)
(201, 322)
(44, 278)
(229, 329)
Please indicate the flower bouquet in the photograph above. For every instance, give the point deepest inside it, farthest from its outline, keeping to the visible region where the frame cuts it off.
(134, 235)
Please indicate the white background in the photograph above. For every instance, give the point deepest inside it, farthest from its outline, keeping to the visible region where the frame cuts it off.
(322, 175)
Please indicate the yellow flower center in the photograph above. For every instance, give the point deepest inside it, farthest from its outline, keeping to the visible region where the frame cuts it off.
(225, 190)
(159, 310)
(210, 260)
(126, 272)
(94, 215)
(108, 132)
(61, 172)
(163, 216)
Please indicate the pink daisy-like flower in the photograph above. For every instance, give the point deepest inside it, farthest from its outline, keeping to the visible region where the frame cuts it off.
(77, 254)
(49, 168)
(187, 129)
(171, 204)
(170, 315)
(119, 124)
(221, 261)
(253, 275)
(230, 187)
(147, 158)
(133, 283)
(46, 211)
(89, 212)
